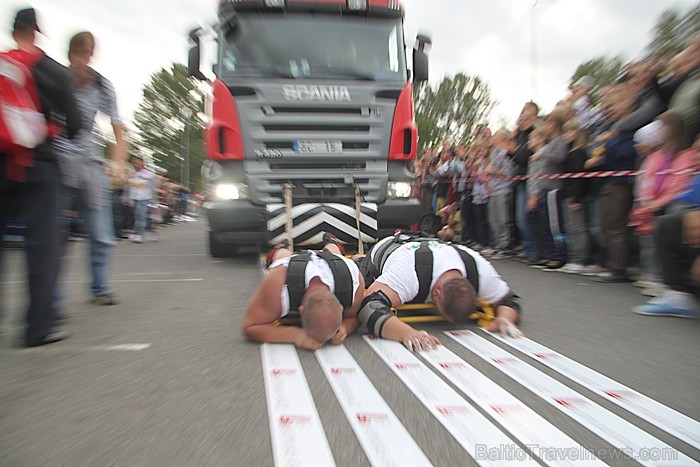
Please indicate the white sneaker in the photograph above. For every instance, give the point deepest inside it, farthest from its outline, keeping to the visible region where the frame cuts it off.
(572, 268)
(592, 270)
(136, 238)
(655, 290)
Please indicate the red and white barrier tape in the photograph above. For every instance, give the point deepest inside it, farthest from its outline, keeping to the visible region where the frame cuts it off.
(576, 175)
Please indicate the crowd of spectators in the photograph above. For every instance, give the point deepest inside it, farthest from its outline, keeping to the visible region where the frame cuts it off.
(494, 194)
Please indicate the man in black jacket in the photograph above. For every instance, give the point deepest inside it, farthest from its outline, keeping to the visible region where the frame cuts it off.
(35, 195)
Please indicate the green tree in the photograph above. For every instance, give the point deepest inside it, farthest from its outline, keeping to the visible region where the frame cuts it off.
(602, 70)
(451, 109)
(170, 123)
(672, 30)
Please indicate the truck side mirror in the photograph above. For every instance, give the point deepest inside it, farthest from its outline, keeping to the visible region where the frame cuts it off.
(194, 57)
(420, 59)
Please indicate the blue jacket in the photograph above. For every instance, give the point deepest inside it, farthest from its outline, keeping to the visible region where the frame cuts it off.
(619, 155)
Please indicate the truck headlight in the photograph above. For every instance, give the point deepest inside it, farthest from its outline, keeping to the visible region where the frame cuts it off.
(399, 190)
(229, 191)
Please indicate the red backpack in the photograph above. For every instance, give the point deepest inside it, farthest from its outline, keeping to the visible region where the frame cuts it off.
(23, 125)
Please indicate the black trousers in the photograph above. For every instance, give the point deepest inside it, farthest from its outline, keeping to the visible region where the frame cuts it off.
(674, 257)
(36, 200)
(615, 205)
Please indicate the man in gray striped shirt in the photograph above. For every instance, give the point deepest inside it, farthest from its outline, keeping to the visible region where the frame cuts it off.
(85, 172)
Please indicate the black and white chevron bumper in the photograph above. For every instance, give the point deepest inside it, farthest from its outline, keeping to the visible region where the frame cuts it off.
(312, 219)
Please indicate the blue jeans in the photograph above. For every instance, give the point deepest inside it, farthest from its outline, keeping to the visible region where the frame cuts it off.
(521, 221)
(100, 230)
(140, 216)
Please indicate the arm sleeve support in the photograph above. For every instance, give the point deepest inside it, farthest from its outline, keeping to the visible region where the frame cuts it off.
(374, 312)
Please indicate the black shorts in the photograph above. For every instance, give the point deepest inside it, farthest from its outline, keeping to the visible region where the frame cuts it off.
(364, 264)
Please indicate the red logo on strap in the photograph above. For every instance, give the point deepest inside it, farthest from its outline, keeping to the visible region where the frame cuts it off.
(569, 402)
(452, 410)
(504, 409)
(544, 355)
(337, 371)
(447, 365)
(294, 419)
(283, 371)
(622, 394)
(406, 366)
(503, 360)
(366, 418)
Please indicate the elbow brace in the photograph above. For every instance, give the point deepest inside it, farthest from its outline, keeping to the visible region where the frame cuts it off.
(374, 312)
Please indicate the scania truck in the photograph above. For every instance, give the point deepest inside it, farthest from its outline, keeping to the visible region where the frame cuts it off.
(311, 125)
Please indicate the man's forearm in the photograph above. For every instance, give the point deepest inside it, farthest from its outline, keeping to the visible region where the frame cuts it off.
(508, 313)
(351, 325)
(120, 150)
(271, 334)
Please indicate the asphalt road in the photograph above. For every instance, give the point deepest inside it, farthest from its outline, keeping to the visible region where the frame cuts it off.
(183, 387)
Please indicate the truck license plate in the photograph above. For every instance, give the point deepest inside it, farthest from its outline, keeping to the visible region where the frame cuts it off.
(317, 147)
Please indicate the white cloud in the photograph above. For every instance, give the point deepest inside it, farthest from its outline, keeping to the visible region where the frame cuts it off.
(489, 38)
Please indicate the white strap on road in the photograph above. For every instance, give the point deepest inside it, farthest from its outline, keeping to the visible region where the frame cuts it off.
(297, 435)
(669, 420)
(639, 445)
(546, 441)
(470, 428)
(382, 436)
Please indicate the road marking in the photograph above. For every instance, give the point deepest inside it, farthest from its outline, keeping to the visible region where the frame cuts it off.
(646, 408)
(468, 426)
(623, 435)
(380, 433)
(513, 415)
(295, 428)
(125, 347)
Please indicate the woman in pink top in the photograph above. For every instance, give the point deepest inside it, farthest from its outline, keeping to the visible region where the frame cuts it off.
(666, 174)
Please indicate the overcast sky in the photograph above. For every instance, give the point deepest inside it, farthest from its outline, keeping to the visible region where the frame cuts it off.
(489, 38)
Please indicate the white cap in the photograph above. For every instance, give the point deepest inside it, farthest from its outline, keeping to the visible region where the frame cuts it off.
(650, 134)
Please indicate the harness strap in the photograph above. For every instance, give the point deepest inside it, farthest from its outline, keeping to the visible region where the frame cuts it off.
(424, 271)
(296, 278)
(296, 284)
(341, 277)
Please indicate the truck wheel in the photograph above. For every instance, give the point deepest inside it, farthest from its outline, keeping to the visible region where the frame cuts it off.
(218, 249)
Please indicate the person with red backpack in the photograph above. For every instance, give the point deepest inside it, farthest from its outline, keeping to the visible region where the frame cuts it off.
(28, 168)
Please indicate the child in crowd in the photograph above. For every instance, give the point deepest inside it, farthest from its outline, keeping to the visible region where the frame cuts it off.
(139, 192)
(574, 194)
(535, 200)
(666, 173)
(500, 202)
(480, 198)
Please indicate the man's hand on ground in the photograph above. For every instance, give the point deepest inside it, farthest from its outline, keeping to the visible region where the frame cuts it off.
(340, 336)
(419, 340)
(306, 342)
(505, 328)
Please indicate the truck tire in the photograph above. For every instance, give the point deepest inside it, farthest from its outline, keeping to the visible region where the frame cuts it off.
(218, 249)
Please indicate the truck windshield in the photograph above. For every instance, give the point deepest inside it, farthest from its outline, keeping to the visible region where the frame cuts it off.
(301, 46)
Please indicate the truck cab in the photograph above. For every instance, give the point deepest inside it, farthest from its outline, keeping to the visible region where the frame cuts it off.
(311, 126)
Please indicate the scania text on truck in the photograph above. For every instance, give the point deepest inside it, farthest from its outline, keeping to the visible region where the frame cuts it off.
(311, 106)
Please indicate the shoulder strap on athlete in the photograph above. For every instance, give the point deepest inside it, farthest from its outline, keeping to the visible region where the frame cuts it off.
(296, 284)
(424, 271)
(381, 254)
(470, 266)
(341, 277)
